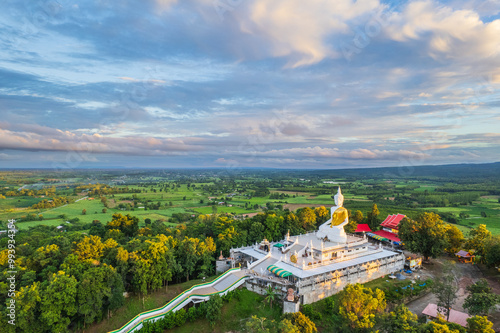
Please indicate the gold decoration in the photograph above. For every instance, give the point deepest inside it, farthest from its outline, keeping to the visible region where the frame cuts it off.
(339, 216)
(293, 258)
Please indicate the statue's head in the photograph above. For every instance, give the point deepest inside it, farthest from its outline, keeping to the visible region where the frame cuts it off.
(339, 198)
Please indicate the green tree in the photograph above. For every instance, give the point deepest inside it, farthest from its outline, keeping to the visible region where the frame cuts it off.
(271, 296)
(351, 226)
(59, 302)
(445, 290)
(372, 217)
(286, 326)
(256, 232)
(481, 299)
(127, 224)
(187, 255)
(214, 306)
(358, 216)
(307, 218)
(477, 239)
(92, 292)
(455, 239)
(492, 251)
(426, 235)
(258, 325)
(90, 247)
(359, 306)
(303, 323)
(400, 320)
(478, 324)
(28, 304)
(463, 215)
(322, 214)
(437, 327)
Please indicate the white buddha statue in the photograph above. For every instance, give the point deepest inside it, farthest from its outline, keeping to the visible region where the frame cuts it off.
(333, 229)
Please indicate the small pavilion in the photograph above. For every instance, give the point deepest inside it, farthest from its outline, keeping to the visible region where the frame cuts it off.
(464, 256)
(457, 317)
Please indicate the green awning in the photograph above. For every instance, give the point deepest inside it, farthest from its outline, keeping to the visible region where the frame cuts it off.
(278, 245)
(278, 271)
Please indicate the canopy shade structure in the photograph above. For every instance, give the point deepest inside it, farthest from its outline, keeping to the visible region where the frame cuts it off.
(278, 245)
(278, 271)
(377, 237)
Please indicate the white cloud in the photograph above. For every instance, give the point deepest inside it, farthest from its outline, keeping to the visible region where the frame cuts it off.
(93, 105)
(299, 29)
(90, 144)
(449, 33)
(356, 154)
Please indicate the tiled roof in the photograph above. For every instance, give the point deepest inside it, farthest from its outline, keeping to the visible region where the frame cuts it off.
(392, 221)
(456, 317)
(463, 253)
(363, 228)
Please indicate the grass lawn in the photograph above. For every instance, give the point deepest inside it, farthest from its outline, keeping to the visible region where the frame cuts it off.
(223, 209)
(28, 224)
(423, 188)
(18, 202)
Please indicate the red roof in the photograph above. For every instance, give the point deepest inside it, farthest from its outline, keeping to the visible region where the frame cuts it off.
(392, 221)
(456, 317)
(363, 228)
(388, 235)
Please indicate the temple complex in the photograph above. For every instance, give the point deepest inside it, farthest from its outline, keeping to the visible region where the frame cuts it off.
(316, 264)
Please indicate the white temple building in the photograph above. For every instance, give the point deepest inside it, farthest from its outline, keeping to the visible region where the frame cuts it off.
(317, 264)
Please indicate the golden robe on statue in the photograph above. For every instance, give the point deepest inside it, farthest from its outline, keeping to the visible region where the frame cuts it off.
(339, 216)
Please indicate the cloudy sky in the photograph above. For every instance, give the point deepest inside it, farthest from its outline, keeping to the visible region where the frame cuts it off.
(249, 83)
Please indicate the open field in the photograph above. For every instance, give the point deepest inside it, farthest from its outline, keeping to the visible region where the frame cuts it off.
(176, 197)
(488, 204)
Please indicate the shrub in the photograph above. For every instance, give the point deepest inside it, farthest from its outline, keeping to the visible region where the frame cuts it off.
(180, 317)
(310, 312)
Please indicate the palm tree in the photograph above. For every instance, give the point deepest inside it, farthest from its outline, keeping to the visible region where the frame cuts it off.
(270, 295)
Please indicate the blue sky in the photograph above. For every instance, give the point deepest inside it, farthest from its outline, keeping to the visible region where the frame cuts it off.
(249, 83)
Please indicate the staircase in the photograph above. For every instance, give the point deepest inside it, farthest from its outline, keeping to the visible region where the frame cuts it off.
(228, 281)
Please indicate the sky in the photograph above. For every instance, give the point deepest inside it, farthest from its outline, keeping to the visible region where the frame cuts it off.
(248, 83)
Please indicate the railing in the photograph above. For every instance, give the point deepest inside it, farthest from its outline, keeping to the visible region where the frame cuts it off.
(179, 302)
